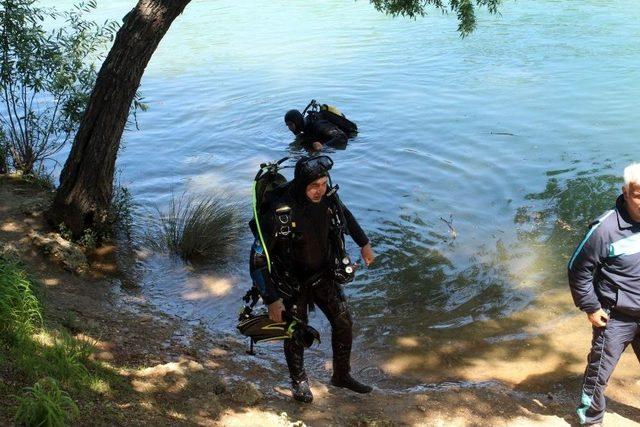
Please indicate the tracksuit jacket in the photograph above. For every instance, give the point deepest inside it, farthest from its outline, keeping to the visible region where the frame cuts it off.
(605, 269)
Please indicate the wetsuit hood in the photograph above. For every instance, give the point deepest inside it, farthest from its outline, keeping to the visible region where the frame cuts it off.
(295, 117)
(307, 170)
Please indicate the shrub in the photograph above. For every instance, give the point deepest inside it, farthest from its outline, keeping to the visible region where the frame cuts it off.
(197, 228)
(119, 222)
(89, 239)
(46, 77)
(42, 178)
(45, 404)
(120, 217)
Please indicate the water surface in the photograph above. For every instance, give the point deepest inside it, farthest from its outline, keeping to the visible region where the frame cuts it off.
(514, 135)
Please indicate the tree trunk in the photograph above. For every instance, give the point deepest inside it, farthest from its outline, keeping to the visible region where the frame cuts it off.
(3, 161)
(86, 182)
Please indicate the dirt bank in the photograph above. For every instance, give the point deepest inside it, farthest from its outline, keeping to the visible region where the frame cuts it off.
(173, 372)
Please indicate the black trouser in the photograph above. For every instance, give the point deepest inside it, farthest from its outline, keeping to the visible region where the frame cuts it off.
(607, 345)
(328, 296)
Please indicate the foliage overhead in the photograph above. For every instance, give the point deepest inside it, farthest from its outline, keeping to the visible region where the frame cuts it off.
(46, 76)
(464, 9)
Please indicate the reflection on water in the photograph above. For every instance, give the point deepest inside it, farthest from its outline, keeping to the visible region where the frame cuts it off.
(426, 319)
(571, 204)
(561, 215)
(416, 287)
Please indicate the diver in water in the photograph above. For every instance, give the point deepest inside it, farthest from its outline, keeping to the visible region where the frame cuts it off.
(303, 230)
(320, 126)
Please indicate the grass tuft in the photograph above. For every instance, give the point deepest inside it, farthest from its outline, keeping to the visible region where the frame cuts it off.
(31, 352)
(45, 404)
(20, 309)
(201, 229)
(66, 360)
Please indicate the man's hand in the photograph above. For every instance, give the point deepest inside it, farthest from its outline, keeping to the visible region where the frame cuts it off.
(275, 311)
(598, 318)
(317, 146)
(367, 254)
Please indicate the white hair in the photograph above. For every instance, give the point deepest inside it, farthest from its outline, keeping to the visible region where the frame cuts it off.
(632, 174)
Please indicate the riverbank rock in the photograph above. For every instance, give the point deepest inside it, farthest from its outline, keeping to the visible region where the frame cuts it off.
(64, 252)
(9, 250)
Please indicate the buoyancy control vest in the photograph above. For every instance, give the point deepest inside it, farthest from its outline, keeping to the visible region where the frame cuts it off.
(332, 114)
(269, 186)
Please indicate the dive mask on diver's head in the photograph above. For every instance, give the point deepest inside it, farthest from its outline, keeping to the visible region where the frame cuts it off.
(315, 167)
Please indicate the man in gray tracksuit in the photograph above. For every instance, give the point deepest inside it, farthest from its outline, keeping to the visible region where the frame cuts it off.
(604, 277)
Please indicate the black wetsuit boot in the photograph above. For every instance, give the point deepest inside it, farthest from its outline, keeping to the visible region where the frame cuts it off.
(301, 391)
(294, 354)
(332, 302)
(345, 380)
(341, 367)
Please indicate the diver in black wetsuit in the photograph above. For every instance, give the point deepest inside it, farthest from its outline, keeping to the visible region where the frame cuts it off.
(301, 236)
(317, 131)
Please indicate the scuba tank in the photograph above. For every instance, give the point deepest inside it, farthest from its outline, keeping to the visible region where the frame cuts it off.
(267, 185)
(331, 108)
(332, 114)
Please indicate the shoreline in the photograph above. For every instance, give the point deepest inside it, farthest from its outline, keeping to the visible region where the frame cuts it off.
(175, 372)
